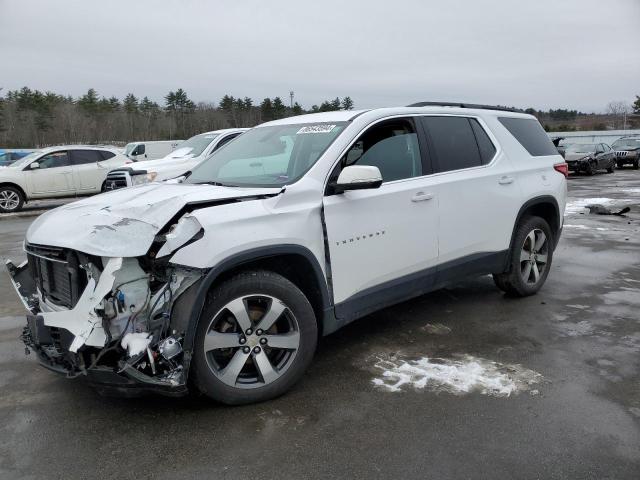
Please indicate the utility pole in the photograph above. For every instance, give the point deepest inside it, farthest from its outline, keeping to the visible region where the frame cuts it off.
(291, 96)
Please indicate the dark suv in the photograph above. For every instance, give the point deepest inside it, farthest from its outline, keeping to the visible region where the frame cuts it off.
(627, 151)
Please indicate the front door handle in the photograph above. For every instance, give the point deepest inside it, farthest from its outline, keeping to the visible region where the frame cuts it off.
(421, 197)
(505, 180)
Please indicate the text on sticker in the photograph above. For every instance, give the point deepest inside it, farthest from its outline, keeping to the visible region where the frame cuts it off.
(316, 129)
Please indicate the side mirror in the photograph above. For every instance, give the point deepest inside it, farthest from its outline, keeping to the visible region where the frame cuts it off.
(358, 177)
(34, 165)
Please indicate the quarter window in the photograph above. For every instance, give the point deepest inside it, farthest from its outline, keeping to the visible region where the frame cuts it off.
(529, 133)
(392, 146)
(454, 143)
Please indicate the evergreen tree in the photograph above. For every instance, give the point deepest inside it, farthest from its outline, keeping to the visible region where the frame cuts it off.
(89, 101)
(336, 104)
(279, 110)
(297, 109)
(347, 103)
(266, 110)
(636, 105)
(130, 103)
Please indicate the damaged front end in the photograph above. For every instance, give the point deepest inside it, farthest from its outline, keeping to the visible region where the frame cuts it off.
(118, 321)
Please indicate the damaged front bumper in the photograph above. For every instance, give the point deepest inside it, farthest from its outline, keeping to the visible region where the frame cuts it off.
(121, 334)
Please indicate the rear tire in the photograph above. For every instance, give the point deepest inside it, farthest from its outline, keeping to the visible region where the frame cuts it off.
(11, 199)
(235, 361)
(529, 258)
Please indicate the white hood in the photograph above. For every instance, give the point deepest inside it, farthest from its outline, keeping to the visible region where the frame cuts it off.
(123, 223)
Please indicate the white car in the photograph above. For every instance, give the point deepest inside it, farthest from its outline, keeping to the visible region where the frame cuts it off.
(65, 171)
(299, 226)
(188, 154)
(150, 150)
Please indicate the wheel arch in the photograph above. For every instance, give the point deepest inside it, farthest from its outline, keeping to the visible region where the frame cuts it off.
(295, 262)
(544, 206)
(17, 187)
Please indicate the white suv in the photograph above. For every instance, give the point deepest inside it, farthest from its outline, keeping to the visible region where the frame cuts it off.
(293, 230)
(186, 156)
(65, 171)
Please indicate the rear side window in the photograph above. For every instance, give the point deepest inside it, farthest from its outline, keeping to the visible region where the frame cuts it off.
(106, 155)
(530, 135)
(454, 143)
(83, 157)
(485, 145)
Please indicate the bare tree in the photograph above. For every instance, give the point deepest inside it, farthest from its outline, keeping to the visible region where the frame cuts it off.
(619, 110)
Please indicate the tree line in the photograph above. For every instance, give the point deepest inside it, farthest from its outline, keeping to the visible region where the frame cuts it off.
(31, 118)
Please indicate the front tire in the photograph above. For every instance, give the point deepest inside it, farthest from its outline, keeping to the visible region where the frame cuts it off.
(611, 167)
(529, 258)
(590, 169)
(256, 336)
(636, 164)
(11, 199)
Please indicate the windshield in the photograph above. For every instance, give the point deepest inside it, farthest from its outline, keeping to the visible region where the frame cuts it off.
(129, 148)
(268, 156)
(198, 143)
(26, 160)
(581, 148)
(627, 143)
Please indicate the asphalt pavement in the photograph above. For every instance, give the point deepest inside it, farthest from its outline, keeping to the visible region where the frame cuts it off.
(460, 383)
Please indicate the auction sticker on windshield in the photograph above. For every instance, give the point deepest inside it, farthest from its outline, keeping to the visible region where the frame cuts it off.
(316, 129)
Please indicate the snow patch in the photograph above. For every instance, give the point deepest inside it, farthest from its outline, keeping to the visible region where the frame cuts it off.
(436, 329)
(580, 205)
(460, 375)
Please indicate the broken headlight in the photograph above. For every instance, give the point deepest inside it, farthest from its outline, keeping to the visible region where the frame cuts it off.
(143, 178)
(186, 230)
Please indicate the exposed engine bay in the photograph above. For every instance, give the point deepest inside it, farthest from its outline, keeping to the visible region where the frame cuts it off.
(119, 324)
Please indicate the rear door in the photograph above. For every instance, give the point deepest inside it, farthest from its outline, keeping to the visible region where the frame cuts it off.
(477, 192)
(382, 242)
(54, 176)
(88, 175)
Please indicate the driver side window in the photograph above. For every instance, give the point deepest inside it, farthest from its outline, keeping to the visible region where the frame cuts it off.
(54, 160)
(392, 146)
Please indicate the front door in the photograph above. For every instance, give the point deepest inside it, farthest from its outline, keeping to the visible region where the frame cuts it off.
(54, 175)
(382, 242)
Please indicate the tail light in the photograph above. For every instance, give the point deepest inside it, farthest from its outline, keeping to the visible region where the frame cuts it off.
(563, 168)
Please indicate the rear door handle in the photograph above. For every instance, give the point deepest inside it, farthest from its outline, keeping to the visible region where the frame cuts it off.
(421, 197)
(505, 180)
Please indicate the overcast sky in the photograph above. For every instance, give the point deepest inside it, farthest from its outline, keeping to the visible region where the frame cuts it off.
(544, 53)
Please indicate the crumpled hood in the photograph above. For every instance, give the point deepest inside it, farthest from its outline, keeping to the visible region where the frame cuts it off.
(123, 223)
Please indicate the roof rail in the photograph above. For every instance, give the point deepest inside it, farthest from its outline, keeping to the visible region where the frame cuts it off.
(463, 105)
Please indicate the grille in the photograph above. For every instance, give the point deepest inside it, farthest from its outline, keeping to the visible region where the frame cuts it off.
(116, 180)
(57, 273)
(621, 154)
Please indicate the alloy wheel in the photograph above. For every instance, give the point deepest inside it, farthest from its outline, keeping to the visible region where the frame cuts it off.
(252, 341)
(9, 200)
(533, 256)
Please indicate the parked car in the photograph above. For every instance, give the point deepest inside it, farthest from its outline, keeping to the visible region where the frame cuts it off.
(141, 151)
(627, 151)
(7, 157)
(226, 280)
(590, 157)
(64, 171)
(186, 156)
